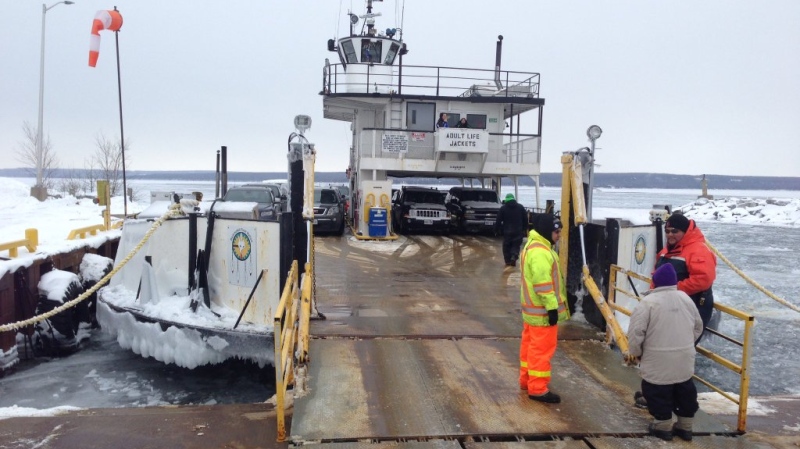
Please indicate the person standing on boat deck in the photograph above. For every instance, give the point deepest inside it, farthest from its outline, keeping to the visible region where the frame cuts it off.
(543, 297)
(462, 123)
(512, 219)
(442, 123)
(694, 263)
(662, 332)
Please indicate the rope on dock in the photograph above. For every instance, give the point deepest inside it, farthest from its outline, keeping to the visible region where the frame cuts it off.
(174, 210)
(750, 280)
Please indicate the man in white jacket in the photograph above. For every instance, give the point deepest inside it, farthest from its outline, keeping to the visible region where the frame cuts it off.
(662, 332)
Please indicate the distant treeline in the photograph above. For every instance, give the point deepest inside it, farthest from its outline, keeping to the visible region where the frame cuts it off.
(610, 180)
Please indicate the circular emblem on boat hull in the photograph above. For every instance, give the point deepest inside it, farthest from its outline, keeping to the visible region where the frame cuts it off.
(640, 250)
(241, 245)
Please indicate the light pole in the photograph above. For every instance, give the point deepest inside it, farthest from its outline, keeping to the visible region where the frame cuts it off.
(39, 141)
(593, 133)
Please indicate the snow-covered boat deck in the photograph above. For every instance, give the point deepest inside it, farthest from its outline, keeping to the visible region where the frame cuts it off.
(421, 344)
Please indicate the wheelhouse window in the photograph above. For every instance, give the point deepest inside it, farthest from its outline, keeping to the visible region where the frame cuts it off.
(349, 52)
(371, 51)
(476, 121)
(391, 54)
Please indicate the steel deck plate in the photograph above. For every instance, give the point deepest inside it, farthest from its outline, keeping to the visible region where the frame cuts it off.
(702, 442)
(398, 388)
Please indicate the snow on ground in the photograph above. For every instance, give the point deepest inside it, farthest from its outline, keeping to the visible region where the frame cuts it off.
(715, 404)
(53, 219)
(18, 412)
(770, 211)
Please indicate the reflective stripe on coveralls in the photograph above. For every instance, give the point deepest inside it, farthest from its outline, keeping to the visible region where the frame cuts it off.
(539, 312)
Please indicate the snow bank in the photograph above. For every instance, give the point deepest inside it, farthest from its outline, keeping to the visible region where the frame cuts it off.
(771, 211)
(22, 412)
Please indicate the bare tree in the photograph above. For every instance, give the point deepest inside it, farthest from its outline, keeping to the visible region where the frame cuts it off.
(70, 182)
(28, 156)
(107, 161)
(89, 176)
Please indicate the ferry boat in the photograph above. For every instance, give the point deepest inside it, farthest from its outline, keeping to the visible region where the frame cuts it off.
(201, 288)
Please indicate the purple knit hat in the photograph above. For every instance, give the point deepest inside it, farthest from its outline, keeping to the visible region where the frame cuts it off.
(665, 275)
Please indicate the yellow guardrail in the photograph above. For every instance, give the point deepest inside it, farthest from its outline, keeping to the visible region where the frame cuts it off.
(291, 337)
(742, 368)
(81, 233)
(30, 242)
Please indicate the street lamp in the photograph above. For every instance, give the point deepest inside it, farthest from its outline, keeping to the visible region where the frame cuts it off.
(593, 133)
(39, 141)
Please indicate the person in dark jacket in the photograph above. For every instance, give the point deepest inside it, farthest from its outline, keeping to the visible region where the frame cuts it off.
(512, 220)
(462, 123)
(442, 122)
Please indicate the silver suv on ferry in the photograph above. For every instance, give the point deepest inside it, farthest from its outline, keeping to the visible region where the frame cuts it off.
(328, 211)
(420, 209)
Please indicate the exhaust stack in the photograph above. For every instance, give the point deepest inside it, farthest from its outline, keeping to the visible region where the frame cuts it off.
(497, 57)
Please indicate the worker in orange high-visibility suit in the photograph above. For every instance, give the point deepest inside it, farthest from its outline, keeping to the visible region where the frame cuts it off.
(544, 304)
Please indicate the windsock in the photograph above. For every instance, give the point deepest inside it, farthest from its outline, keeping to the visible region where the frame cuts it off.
(110, 20)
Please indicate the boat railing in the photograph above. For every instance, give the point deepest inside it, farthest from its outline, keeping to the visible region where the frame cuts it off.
(744, 341)
(428, 80)
(291, 336)
(502, 147)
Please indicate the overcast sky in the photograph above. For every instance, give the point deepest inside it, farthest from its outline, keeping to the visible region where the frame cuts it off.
(678, 86)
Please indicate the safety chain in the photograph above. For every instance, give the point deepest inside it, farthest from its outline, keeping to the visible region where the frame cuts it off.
(751, 281)
(174, 210)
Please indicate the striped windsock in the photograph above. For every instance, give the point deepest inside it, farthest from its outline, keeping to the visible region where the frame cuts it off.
(104, 20)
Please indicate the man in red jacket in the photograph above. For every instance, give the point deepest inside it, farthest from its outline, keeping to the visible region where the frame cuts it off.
(694, 263)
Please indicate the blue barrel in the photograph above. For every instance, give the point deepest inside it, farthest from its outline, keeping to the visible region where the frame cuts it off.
(377, 222)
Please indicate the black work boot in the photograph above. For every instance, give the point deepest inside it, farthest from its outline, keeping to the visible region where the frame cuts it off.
(683, 428)
(661, 429)
(549, 397)
(639, 401)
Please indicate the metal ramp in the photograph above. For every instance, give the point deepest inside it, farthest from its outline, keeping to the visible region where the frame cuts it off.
(420, 349)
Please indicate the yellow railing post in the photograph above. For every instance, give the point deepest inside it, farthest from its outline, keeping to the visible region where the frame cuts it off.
(32, 239)
(744, 389)
(285, 340)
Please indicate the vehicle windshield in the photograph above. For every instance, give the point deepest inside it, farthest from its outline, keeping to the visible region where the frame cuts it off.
(249, 195)
(325, 196)
(426, 197)
(479, 195)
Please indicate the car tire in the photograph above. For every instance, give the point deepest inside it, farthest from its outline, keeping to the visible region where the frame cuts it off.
(341, 229)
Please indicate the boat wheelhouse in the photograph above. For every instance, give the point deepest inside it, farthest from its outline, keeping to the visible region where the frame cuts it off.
(393, 109)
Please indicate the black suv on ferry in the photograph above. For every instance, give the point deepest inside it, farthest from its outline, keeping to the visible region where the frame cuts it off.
(419, 209)
(473, 209)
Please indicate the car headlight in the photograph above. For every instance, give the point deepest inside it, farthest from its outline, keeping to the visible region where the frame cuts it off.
(333, 210)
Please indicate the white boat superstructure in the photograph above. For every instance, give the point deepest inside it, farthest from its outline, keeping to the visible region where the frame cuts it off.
(393, 109)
